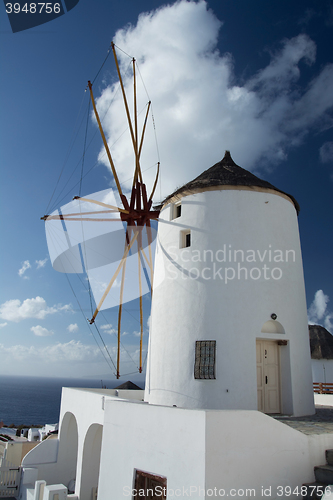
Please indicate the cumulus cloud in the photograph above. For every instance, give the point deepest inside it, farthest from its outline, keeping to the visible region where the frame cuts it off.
(73, 328)
(41, 263)
(326, 152)
(2, 325)
(69, 351)
(15, 310)
(25, 266)
(40, 331)
(200, 108)
(318, 313)
(108, 329)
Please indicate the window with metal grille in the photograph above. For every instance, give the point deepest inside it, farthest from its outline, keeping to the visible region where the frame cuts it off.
(204, 367)
(149, 486)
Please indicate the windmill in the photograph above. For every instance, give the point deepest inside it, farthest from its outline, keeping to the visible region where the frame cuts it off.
(95, 234)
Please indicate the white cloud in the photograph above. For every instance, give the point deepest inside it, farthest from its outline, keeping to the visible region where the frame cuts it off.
(2, 325)
(25, 266)
(318, 313)
(73, 328)
(71, 358)
(108, 329)
(14, 310)
(40, 331)
(41, 263)
(326, 152)
(69, 351)
(198, 106)
(328, 323)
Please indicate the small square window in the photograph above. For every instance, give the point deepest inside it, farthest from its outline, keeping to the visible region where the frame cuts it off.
(204, 366)
(185, 239)
(176, 211)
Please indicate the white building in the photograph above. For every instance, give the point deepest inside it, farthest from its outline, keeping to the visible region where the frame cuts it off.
(220, 349)
(228, 261)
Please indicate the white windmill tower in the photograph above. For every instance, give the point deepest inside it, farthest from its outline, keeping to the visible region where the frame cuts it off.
(229, 322)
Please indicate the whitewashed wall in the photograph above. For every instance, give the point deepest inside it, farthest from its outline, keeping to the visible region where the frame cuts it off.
(231, 311)
(166, 441)
(322, 370)
(200, 450)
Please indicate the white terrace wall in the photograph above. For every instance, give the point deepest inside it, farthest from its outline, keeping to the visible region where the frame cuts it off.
(165, 441)
(44, 458)
(248, 450)
(200, 450)
(80, 430)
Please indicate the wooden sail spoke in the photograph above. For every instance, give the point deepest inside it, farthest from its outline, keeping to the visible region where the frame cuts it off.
(66, 216)
(117, 209)
(150, 240)
(145, 257)
(104, 140)
(144, 129)
(113, 279)
(141, 311)
(119, 315)
(79, 219)
(137, 162)
(155, 183)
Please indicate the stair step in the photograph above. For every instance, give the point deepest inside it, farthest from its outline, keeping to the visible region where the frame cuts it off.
(315, 491)
(329, 457)
(324, 474)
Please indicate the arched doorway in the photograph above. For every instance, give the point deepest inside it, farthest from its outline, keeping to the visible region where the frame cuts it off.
(90, 461)
(68, 448)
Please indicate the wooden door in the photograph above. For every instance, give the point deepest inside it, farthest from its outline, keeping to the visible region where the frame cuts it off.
(268, 376)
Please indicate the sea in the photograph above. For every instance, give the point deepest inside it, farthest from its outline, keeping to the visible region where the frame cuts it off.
(36, 401)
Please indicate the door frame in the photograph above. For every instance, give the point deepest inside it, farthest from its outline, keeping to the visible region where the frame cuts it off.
(262, 398)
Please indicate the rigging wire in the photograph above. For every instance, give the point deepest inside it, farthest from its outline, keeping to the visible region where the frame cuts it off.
(70, 147)
(121, 50)
(100, 336)
(100, 69)
(154, 128)
(84, 149)
(77, 300)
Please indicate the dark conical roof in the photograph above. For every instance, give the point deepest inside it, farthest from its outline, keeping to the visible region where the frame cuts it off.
(321, 342)
(227, 173)
(129, 385)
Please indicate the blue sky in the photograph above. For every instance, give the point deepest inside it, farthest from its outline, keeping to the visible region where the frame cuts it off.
(252, 77)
